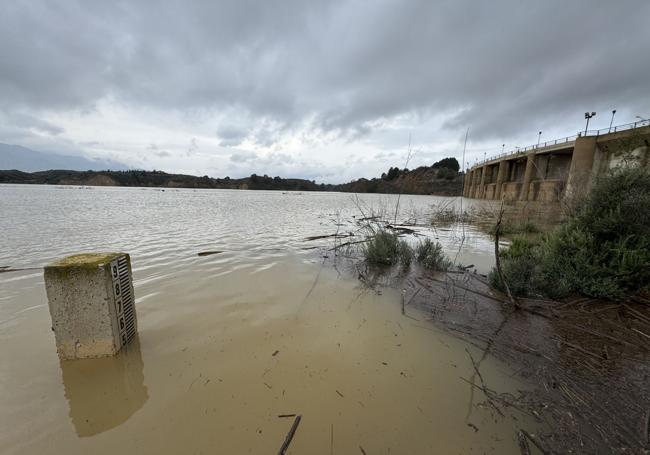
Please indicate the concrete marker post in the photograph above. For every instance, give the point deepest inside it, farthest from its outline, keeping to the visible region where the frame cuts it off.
(91, 303)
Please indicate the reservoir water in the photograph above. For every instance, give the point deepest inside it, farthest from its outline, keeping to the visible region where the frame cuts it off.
(230, 341)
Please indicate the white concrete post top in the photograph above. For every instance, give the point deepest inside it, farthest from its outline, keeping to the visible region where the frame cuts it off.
(91, 302)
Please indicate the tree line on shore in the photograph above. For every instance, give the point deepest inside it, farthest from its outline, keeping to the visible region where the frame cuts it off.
(442, 177)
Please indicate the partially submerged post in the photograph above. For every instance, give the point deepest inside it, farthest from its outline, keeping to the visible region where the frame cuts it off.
(91, 302)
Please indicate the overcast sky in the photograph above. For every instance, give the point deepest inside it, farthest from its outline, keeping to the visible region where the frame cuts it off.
(325, 90)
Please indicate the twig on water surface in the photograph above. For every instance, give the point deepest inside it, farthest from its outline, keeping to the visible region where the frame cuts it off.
(413, 296)
(362, 451)
(637, 313)
(286, 415)
(7, 269)
(578, 348)
(292, 431)
(341, 245)
(403, 230)
(641, 333)
(465, 288)
(336, 235)
(523, 443)
(535, 443)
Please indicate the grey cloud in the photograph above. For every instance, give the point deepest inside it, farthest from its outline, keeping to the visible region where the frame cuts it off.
(155, 150)
(243, 157)
(337, 66)
(230, 136)
(385, 156)
(29, 122)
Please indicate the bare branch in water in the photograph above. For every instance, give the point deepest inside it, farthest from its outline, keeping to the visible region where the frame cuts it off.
(497, 230)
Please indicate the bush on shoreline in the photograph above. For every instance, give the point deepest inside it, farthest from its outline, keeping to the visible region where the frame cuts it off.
(430, 256)
(386, 248)
(602, 251)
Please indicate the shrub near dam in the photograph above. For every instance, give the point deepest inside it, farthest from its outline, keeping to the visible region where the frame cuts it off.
(602, 251)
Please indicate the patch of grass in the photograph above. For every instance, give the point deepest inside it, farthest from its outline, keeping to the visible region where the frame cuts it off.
(429, 254)
(386, 248)
(602, 251)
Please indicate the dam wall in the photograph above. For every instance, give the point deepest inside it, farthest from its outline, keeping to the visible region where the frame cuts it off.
(552, 172)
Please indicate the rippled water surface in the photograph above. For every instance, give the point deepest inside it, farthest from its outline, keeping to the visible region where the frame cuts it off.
(228, 342)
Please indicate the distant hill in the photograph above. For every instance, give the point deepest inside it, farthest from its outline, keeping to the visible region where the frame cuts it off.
(156, 179)
(441, 178)
(27, 160)
(436, 179)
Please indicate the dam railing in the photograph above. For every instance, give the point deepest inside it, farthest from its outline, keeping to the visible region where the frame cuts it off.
(617, 128)
(563, 141)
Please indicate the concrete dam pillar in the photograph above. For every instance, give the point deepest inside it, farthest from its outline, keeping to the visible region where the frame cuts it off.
(481, 188)
(473, 192)
(501, 176)
(528, 176)
(92, 304)
(580, 171)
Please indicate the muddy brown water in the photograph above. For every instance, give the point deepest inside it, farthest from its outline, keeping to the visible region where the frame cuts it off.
(229, 342)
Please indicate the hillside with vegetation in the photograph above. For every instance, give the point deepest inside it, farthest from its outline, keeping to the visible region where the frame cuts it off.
(156, 179)
(441, 178)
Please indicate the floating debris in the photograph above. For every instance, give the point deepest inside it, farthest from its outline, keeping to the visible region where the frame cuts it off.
(7, 269)
(336, 236)
(287, 440)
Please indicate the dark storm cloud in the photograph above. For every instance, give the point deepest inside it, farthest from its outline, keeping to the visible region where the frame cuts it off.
(335, 66)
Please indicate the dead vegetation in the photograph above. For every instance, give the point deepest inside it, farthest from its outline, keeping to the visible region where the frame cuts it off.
(586, 361)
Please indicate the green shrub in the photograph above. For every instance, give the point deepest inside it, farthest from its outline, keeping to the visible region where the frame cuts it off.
(385, 248)
(430, 255)
(520, 264)
(405, 253)
(602, 251)
(446, 173)
(518, 227)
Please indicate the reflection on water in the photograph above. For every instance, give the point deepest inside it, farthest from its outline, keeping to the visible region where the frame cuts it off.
(103, 393)
(230, 341)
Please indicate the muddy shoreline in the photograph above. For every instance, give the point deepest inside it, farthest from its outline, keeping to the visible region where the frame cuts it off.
(587, 361)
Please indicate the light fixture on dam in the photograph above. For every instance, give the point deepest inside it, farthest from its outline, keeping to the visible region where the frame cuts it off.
(611, 121)
(588, 117)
